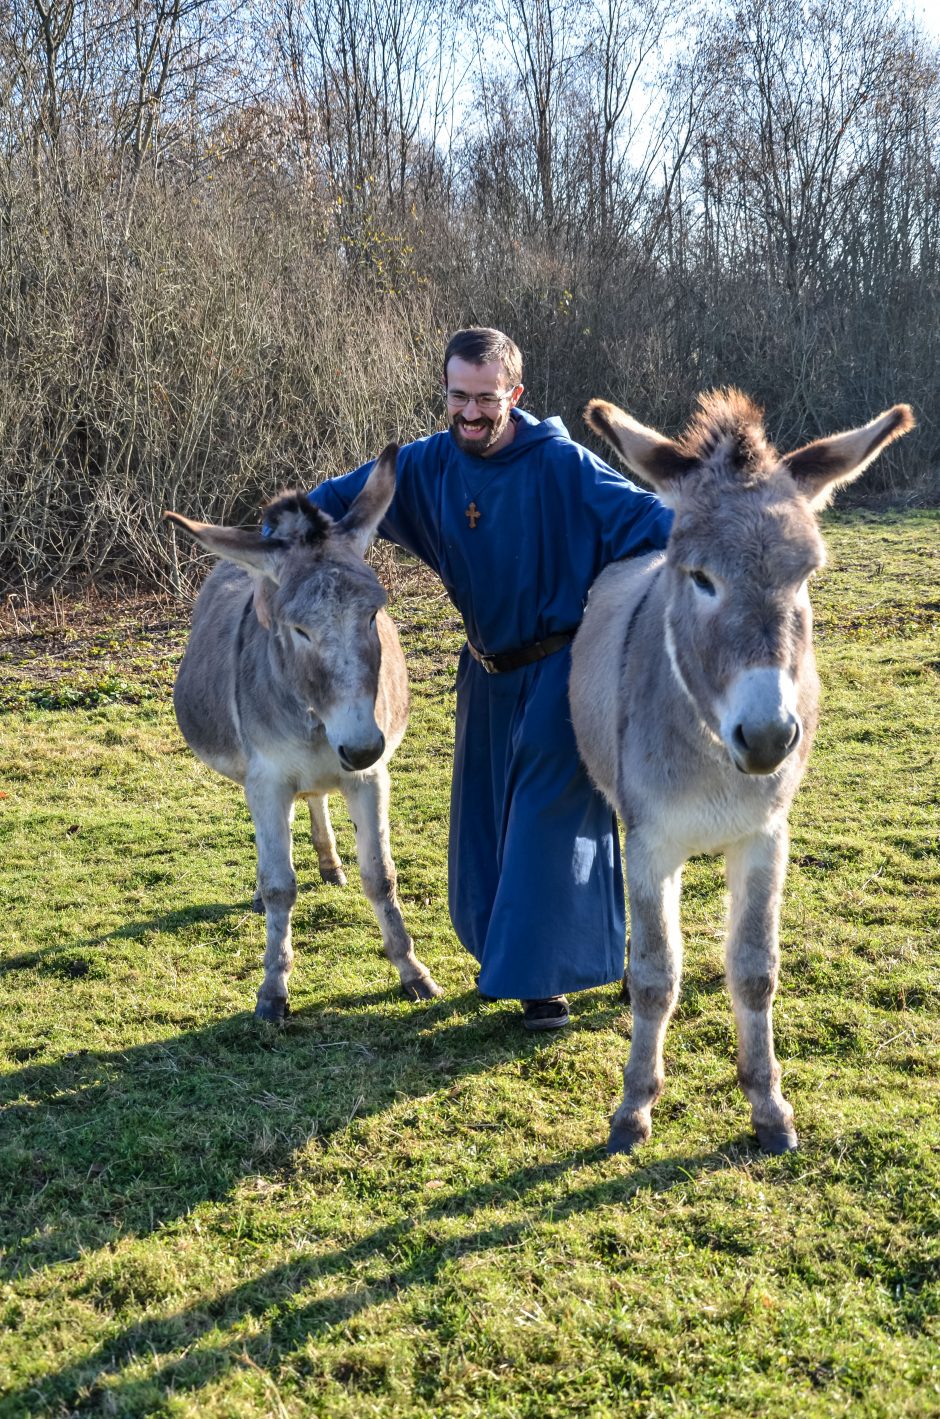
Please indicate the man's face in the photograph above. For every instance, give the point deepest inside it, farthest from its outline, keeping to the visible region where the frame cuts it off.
(480, 430)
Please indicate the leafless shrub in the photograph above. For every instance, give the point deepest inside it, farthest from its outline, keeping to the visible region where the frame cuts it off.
(233, 241)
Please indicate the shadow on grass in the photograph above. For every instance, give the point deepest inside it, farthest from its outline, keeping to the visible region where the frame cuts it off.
(102, 1144)
(59, 959)
(398, 1256)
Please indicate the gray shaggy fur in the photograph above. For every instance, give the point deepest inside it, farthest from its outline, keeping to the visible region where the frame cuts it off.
(694, 698)
(294, 685)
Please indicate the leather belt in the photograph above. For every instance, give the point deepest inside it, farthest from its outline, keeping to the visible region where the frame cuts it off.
(526, 655)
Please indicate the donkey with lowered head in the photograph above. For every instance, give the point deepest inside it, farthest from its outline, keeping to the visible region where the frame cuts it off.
(294, 685)
(694, 697)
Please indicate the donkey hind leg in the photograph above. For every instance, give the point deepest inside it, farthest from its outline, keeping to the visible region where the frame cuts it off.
(756, 869)
(654, 967)
(367, 800)
(324, 842)
(271, 806)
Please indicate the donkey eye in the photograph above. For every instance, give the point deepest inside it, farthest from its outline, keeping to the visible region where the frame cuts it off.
(703, 582)
(303, 634)
(372, 618)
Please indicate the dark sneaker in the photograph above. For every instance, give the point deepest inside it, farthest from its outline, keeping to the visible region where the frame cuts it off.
(550, 1014)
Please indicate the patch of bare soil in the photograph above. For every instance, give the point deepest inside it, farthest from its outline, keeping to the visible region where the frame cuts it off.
(44, 641)
(101, 647)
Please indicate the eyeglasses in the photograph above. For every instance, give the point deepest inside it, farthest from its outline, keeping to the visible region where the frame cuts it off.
(458, 400)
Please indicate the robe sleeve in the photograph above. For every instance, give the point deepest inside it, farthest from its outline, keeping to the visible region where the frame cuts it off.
(409, 522)
(627, 522)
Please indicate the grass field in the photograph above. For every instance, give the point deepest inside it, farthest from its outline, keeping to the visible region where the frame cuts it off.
(387, 1209)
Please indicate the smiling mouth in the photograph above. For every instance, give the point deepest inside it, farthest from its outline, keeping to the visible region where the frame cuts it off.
(475, 426)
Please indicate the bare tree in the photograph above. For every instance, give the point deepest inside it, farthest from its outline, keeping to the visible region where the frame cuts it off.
(371, 84)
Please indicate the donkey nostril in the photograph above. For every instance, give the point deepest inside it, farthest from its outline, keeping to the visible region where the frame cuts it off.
(777, 740)
(356, 759)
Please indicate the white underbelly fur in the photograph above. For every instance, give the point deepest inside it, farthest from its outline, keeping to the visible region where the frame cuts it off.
(308, 771)
(697, 825)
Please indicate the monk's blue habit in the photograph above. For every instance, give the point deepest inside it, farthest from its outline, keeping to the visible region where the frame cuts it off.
(535, 880)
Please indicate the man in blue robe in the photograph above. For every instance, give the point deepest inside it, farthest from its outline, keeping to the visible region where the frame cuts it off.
(518, 520)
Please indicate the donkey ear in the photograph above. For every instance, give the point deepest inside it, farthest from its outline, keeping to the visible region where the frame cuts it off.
(649, 455)
(362, 519)
(248, 548)
(824, 465)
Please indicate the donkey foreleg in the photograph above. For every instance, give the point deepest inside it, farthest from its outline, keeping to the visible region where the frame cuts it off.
(756, 869)
(367, 800)
(271, 806)
(324, 841)
(257, 901)
(653, 973)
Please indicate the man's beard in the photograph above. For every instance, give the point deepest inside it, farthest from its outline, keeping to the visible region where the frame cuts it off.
(483, 442)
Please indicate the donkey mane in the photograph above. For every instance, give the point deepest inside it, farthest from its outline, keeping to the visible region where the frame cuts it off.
(727, 431)
(292, 517)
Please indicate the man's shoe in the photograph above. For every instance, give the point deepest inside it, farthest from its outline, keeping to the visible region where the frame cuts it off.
(550, 1014)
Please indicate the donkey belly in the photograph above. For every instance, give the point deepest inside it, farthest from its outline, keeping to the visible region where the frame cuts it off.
(204, 695)
(206, 720)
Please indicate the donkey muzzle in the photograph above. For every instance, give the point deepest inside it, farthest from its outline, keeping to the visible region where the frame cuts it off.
(352, 731)
(356, 757)
(762, 748)
(760, 724)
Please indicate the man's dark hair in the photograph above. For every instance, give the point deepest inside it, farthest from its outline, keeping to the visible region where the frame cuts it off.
(479, 345)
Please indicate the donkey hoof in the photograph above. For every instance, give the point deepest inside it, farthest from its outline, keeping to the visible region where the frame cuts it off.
(777, 1140)
(273, 1010)
(624, 1137)
(421, 988)
(334, 875)
(257, 904)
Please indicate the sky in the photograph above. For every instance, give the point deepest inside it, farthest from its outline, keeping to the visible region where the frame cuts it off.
(929, 12)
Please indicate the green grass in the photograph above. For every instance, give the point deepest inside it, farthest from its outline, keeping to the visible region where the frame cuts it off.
(386, 1209)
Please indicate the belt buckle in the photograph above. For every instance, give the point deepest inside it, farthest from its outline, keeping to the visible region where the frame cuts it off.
(487, 662)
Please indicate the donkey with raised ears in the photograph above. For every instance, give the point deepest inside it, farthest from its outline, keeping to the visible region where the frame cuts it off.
(694, 698)
(294, 685)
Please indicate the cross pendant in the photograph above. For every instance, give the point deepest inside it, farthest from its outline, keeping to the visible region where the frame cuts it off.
(473, 515)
